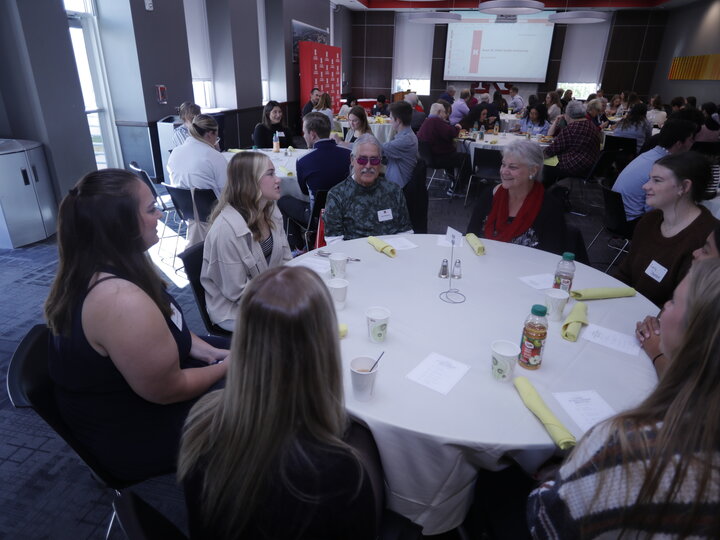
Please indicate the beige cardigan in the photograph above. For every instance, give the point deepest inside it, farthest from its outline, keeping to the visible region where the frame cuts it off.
(231, 258)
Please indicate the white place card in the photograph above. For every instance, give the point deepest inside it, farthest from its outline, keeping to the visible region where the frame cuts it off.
(585, 407)
(438, 373)
(316, 264)
(610, 338)
(539, 281)
(400, 242)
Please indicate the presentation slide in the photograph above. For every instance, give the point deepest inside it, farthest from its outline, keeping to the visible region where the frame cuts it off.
(481, 49)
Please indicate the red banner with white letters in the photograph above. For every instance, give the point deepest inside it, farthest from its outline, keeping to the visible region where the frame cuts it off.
(320, 67)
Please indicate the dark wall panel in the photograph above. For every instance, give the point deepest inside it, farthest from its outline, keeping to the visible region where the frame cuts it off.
(372, 51)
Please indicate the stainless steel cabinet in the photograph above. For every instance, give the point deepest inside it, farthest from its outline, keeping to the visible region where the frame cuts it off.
(28, 209)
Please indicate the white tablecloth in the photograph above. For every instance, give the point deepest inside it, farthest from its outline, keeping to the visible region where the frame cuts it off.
(383, 132)
(713, 205)
(432, 445)
(288, 182)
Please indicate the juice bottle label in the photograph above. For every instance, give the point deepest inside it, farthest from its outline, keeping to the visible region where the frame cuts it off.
(531, 346)
(562, 282)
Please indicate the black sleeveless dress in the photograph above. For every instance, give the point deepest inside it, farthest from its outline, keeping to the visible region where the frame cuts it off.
(132, 438)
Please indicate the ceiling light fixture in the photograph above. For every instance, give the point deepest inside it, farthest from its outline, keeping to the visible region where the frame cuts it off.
(434, 17)
(579, 17)
(510, 7)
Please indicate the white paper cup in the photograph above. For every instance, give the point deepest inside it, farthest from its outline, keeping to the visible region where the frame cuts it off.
(504, 357)
(338, 290)
(377, 322)
(555, 301)
(363, 380)
(338, 265)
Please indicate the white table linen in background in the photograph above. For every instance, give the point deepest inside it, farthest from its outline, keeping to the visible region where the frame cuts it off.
(288, 184)
(432, 445)
(508, 121)
(383, 132)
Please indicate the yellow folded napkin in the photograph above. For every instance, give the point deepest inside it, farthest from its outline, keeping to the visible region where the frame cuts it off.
(559, 433)
(284, 171)
(570, 329)
(599, 293)
(342, 330)
(234, 150)
(475, 244)
(290, 148)
(381, 246)
(551, 161)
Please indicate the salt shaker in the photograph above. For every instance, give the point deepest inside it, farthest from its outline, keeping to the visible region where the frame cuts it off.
(444, 270)
(457, 270)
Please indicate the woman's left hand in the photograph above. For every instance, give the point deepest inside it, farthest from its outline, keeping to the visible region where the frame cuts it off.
(648, 334)
(202, 350)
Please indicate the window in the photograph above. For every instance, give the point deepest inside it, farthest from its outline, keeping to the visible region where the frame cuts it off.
(419, 86)
(93, 82)
(203, 93)
(579, 90)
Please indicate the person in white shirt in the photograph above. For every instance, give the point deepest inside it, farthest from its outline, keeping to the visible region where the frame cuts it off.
(197, 163)
(324, 106)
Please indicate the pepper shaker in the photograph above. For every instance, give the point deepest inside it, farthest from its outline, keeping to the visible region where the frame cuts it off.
(444, 270)
(457, 270)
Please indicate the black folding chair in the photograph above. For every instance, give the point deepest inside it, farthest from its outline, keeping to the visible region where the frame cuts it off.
(416, 197)
(425, 152)
(192, 259)
(486, 167)
(141, 521)
(163, 199)
(182, 198)
(29, 386)
(614, 221)
(309, 229)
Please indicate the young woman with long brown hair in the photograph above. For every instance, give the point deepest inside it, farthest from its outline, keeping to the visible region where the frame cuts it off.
(246, 235)
(653, 470)
(263, 458)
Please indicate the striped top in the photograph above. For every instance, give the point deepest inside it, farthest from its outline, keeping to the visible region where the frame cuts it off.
(570, 506)
(267, 247)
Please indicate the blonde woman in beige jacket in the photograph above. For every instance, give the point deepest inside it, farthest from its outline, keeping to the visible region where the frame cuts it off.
(246, 236)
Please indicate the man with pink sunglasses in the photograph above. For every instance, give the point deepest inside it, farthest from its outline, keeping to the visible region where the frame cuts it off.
(365, 204)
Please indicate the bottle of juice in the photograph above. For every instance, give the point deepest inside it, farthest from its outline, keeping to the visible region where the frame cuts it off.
(534, 334)
(565, 272)
(276, 142)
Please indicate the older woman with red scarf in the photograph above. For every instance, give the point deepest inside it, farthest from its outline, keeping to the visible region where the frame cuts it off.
(520, 210)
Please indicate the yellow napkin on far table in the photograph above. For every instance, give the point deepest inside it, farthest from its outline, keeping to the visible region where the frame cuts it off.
(551, 161)
(475, 244)
(234, 150)
(284, 171)
(599, 293)
(570, 329)
(381, 246)
(559, 433)
(342, 330)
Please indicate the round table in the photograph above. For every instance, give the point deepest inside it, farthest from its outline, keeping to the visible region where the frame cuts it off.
(432, 445)
(508, 122)
(491, 142)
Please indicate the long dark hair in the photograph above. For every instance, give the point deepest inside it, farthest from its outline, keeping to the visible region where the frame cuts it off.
(278, 392)
(636, 116)
(99, 226)
(267, 109)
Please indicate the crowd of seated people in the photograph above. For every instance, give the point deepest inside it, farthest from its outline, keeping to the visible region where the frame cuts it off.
(108, 308)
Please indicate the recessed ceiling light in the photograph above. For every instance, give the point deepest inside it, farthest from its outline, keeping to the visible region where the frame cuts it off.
(434, 17)
(510, 7)
(579, 17)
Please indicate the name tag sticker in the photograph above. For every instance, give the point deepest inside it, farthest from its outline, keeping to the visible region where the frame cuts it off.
(656, 271)
(176, 317)
(281, 133)
(385, 215)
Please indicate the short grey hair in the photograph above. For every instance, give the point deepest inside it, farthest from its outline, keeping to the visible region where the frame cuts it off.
(528, 152)
(411, 98)
(484, 98)
(436, 107)
(595, 105)
(366, 138)
(575, 109)
(450, 88)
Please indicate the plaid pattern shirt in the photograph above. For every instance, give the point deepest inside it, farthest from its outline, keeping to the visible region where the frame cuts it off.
(577, 147)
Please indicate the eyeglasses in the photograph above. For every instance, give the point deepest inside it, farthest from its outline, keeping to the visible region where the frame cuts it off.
(363, 160)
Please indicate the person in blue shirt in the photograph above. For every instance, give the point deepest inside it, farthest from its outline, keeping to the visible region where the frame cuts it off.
(381, 107)
(401, 152)
(535, 122)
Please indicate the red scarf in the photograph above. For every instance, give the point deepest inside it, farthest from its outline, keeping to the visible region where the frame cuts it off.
(497, 226)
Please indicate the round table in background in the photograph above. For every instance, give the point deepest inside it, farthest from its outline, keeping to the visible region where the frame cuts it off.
(285, 168)
(432, 445)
